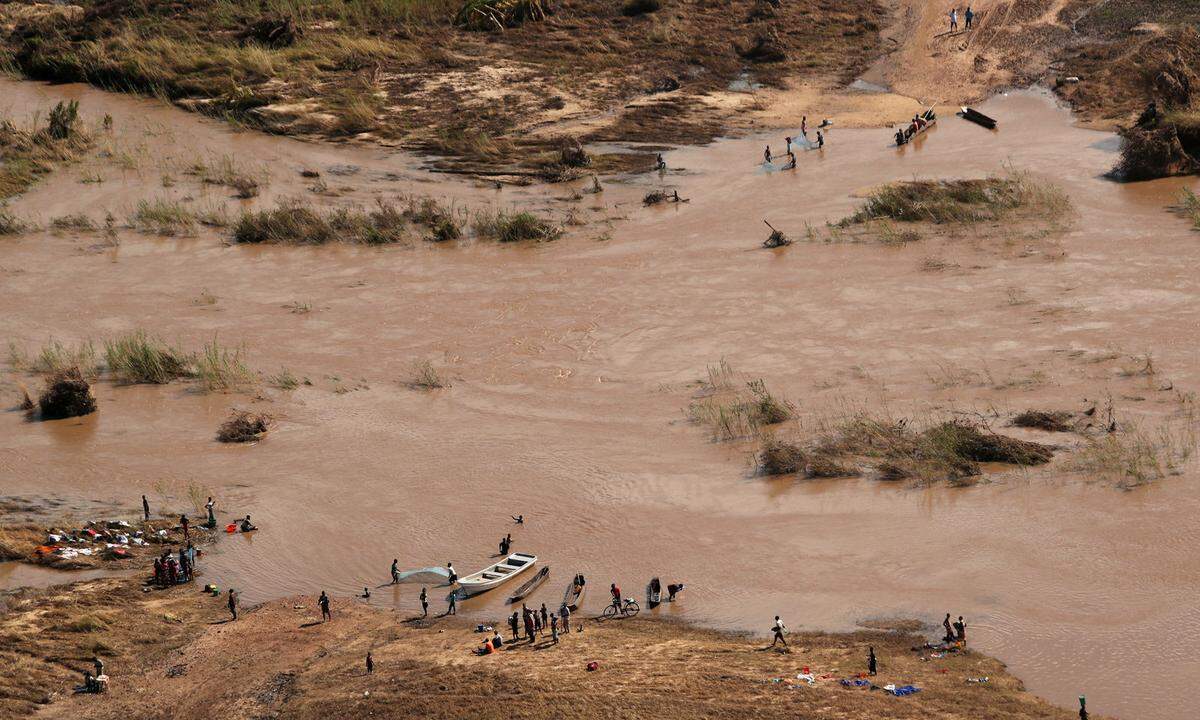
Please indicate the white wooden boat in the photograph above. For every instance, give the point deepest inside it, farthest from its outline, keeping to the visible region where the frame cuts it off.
(496, 575)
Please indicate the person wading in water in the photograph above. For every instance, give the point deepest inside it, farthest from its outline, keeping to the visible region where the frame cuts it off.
(395, 570)
(949, 631)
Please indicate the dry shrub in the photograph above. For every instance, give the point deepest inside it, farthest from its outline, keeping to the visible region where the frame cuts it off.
(244, 426)
(1049, 420)
(66, 395)
(1149, 153)
(515, 227)
(424, 376)
(777, 457)
(734, 410)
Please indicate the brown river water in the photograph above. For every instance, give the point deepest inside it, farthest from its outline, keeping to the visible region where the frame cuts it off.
(572, 364)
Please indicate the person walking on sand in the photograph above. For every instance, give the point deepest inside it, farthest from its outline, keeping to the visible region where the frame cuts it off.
(565, 612)
(616, 595)
(953, 19)
(183, 521)
(212, 517)
(395, 571)
(527, 617)
(514, 625)
(871, 666)
(545, 616)
(424, 603)
(370, 663)
(233, 603)
(960, 630)
(553, 629)
(949, 631)
(323, 602)
(145, 508)
(779, 629)
(969, 16)
(453, 608)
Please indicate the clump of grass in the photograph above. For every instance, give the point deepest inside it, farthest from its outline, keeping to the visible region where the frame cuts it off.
(141, 358)
(777, 457)
(67, 395)
(1049, 420)
(219, 368)
(515, 227)
(284, 380)
(27, 155)
(733, 410)
(225, 171)
(1133, 457)
(10, 224)
(163, 217)
(1189, 206)
(435, 216)
(424, 376)
(244, 426)
(86, 623)
(55, 356)
(78, 222)
(499, 14)
(297, 225)
(960, 201)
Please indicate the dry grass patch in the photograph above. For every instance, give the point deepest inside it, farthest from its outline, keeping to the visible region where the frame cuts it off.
(138, 357)
(515, 227)
(1048, 420)
(294, 224)
(961, 201)
(163, 217)
(424, 376)
(27, 155)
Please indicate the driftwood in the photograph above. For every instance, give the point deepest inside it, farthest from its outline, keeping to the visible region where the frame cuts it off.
(776, 238)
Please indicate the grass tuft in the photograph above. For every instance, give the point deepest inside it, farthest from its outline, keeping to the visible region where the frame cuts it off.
(424, 376)
(515, 227)
(141, 358)
(163, 217)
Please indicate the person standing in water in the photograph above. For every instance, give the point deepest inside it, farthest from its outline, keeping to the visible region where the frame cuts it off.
(323, 603)
(949, 631)
(767, 155)
(520, 519)
(960, 630)
(145, 508)
(395, 570)
(820, 140)
(1083, 713)
(424, 603)
(804, 126)
(788, 140)
(870, 661)
(779, 629)
(660, 164)
(212, 517)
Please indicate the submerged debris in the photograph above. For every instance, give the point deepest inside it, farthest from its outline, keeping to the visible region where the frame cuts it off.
(654, 197)
(1049, 420)
(66, 395)
(776, 238)
(244, 426)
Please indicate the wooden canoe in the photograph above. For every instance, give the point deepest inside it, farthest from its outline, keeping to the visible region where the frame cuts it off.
(978, 118)
(904, 137)
(574, 592)
(497, 574)
(530, 585)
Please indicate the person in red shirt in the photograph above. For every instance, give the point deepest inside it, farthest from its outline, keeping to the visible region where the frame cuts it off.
(616, 595)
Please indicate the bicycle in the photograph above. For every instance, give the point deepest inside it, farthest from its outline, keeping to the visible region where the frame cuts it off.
(629, 608)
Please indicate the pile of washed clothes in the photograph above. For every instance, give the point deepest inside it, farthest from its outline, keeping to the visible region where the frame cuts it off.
(111, 539)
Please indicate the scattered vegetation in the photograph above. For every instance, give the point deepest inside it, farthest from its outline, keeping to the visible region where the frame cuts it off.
(26, 155)
(294, 224)
(515, 227)
(141, 358)
(56, 357)
(226, 172)
(163, 217)
(219, 368)
(960, 201)
(435, 216)
(424, 376)
(78, 222)
(736, 409)
(1133, 457)
(10, 224)
(67, 395)
(1189, 207)
(244, 426)
(284, 380)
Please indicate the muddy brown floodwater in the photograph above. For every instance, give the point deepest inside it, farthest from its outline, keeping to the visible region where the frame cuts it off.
(572, 362)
